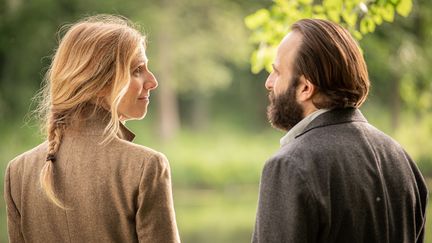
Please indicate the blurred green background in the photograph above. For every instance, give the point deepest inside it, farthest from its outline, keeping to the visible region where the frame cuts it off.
(208, 113)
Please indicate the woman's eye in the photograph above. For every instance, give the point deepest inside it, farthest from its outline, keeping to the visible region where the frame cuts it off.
(137, 72)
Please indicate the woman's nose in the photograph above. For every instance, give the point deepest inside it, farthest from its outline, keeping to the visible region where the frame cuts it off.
(150, 82)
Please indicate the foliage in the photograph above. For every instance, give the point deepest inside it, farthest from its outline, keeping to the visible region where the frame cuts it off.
(201, 38)
(360, 17)
(216, 171)
(417, 142)
(399, 57)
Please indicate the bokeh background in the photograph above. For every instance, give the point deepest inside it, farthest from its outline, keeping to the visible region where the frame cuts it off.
(208, 113)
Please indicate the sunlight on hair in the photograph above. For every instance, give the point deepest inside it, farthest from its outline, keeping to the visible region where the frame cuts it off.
(90, 68)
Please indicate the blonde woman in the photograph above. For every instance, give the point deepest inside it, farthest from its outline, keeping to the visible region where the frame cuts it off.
(88, 182)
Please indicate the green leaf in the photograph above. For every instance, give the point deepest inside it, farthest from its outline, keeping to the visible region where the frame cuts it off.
(371, 25)
(318, 9)
(263, 57)
(333, 15)
(387, 12)
(305, 1)
(257, 19)
(331, 4)
(256, 62)
(378, 19)
(367, 25)
(319, 16)
(404, 7)
(363, 27)
(350, 5)
(270, 26)
(357, 35)
(270, 56)
(349, 18)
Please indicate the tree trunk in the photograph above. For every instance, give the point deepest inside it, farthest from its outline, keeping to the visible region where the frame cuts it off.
(200, 112)
(13, 5)
(169, 121)
(395, 103)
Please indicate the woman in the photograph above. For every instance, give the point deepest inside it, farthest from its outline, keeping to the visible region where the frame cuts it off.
(88, 182)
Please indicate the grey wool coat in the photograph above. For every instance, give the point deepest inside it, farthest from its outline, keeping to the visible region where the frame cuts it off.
(118, 192)
(341, 181)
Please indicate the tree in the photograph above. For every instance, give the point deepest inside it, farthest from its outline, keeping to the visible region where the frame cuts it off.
(194, 44)
(360, 17)
(399, 58)
(193, 47)
(26, 40)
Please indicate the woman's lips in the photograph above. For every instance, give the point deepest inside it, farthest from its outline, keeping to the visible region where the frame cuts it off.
(144, 97)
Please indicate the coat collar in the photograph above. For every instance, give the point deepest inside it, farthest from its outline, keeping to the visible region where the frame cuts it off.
(299, 127)
(94, 123)
(126, 134)
(333, 117)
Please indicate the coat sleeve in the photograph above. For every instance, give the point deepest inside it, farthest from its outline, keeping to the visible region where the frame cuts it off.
(286, 209)
(155, 217)
(421, 193)
(13, 215)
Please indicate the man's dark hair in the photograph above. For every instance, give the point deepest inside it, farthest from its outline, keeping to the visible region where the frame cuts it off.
(331, 60)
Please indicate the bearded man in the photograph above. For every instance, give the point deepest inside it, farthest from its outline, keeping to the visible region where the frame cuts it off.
(336, 178)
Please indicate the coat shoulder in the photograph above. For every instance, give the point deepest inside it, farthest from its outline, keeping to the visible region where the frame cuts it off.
(141, 152)
(37, 152)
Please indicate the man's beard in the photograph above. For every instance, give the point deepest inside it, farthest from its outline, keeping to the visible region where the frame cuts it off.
(284, 112)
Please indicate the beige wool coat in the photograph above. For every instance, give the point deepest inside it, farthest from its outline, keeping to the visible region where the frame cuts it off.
(118, 192)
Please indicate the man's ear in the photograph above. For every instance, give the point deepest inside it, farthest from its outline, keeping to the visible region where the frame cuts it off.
(305, 89)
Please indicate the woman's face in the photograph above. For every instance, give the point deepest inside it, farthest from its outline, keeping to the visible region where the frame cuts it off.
(134, 103)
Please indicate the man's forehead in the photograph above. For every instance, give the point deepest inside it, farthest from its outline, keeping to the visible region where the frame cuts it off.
(288, 46)
(292, 40)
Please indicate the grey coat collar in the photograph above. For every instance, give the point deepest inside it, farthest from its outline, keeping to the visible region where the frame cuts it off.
(299, 127)
(333, 117)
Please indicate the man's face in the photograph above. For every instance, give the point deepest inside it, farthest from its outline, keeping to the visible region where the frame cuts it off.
(284, 111)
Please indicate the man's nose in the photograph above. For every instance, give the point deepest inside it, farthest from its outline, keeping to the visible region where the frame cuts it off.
(269, 82)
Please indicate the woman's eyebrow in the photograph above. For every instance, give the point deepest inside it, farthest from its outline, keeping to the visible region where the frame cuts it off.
(140, 62)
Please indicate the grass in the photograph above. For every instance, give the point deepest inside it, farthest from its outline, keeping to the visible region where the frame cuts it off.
(214, 216)
(215, 177)
(215, 180)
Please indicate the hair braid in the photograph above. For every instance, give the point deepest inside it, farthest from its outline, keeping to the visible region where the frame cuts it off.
(55, 133)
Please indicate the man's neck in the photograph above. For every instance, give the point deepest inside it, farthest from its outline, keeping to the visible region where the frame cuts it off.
(309, 109)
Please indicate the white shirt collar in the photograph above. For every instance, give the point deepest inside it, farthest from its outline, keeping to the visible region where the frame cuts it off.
(299, 127)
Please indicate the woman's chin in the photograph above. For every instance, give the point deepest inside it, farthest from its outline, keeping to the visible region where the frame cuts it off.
(129, 117)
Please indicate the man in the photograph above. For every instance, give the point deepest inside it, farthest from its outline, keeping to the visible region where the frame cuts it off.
(336, 178)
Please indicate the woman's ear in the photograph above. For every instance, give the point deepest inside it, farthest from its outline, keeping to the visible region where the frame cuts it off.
(305, 90)
(105, 93)
(103, 98)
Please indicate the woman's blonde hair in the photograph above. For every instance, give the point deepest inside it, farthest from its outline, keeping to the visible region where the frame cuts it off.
(91, 67)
